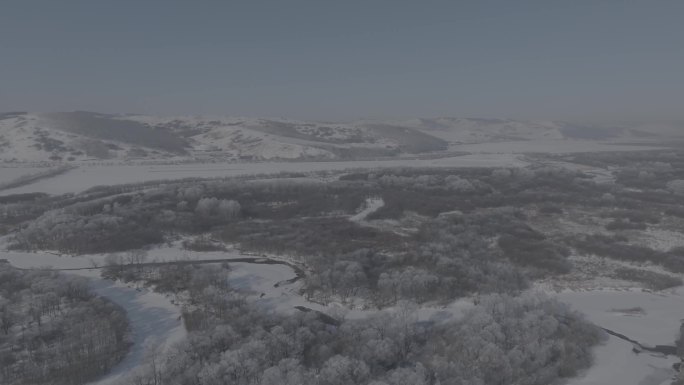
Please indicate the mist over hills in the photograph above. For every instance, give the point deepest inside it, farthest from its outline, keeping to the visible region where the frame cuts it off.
(82, 135)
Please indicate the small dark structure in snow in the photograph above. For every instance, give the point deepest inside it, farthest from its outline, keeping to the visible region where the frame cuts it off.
(3, 260)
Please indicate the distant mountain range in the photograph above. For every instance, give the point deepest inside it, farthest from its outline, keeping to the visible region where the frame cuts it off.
(80, 136)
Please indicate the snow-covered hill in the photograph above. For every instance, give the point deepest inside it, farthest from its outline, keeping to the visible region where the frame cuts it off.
(79, 136)
(464, 130)
(82, 136)
(66, 137)
(468, 130)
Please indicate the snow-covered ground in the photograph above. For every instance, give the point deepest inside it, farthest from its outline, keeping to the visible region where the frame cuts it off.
(87, 176)
(16, 174)
(662, 239)
(152, 317)
(551, 146)
(652, 318)
(372, 205)
(616, 364)
(9, 174)
(498, 154)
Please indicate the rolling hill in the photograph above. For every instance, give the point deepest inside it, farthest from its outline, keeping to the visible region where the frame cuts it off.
(87, 136)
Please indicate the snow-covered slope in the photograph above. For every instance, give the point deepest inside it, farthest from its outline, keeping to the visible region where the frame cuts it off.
(464, 130)
(79, 136)
(82, 136)
(290, 139)
(209, 137)
(50, 138)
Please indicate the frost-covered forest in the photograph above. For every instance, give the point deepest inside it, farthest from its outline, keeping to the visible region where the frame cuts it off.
(529, 339)
(54, 330)
(440, 234)
(383, 245)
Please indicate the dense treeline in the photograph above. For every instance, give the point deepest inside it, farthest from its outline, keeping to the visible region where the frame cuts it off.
(617, 247)
(648, 169)
(309, 220)
(200, 207)
(450, 257)
(503, 340)
(54, 330)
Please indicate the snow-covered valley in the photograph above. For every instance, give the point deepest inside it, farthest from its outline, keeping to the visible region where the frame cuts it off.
(649, 317)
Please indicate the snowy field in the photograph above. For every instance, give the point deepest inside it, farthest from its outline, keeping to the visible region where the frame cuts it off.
(501, 154)
(551, 146)
(616, 364)
(647, 317)
(88, 176)
(9, 174)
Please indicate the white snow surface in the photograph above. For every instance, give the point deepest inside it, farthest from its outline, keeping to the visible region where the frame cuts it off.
(552, 146)
(87, 176)
(372, 205)
(152, 317)
(616, 364)
(11, 173)
(658, 324)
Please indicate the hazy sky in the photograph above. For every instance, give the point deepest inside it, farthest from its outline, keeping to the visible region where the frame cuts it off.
(345, 59)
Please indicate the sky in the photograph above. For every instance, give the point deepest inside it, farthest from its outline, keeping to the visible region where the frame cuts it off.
(344, 60)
